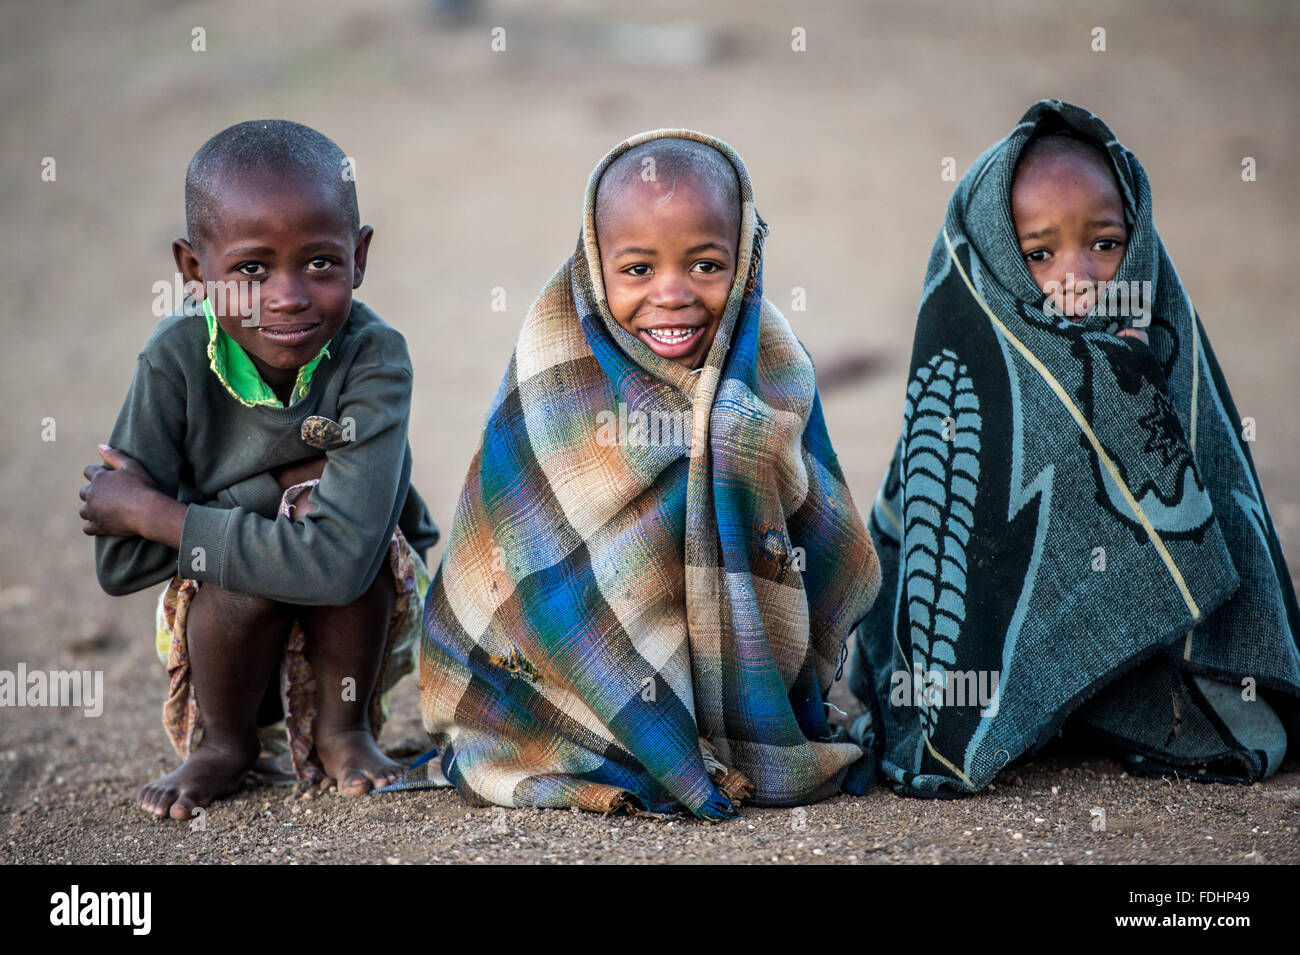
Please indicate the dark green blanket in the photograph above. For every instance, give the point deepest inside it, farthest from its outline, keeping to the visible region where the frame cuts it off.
(1071, 525)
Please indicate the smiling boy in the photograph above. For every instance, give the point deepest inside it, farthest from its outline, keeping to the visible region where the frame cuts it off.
(297, 577)
(668, 220)
(650, 617)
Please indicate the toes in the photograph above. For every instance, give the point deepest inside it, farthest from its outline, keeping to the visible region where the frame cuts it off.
(361, 781)
(154, 800)
(187, 800)
(357, 785)
(382, 776)
(355, 763)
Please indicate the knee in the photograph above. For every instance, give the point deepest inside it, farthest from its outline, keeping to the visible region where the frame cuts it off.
(381, 589)
(234, 604)
(381, 592)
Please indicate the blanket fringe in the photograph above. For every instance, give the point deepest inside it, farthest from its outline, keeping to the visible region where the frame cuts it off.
(732, 782)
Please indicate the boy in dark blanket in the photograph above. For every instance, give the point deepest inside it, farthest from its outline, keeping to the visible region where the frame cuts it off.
(297, 578)
(1057, 436)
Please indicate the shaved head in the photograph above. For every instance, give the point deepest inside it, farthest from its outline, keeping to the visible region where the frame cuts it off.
(1060, 142)
(270, 146)
(669, 162)
(668, 220)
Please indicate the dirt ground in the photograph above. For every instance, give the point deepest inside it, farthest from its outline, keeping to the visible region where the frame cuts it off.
(471, 165)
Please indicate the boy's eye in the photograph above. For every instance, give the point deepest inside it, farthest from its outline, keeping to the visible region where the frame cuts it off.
(1038, 255)
(1106, 245)
(708, 268)
(251, 268)
(639, 269)
(319, 264)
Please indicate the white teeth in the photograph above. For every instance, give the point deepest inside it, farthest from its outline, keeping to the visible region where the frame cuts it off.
(672, 336)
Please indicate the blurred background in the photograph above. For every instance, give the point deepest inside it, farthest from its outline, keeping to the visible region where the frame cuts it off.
(471, 164)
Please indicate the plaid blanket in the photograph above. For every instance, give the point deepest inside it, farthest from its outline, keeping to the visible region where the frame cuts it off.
(1071, 521)
(652, 572)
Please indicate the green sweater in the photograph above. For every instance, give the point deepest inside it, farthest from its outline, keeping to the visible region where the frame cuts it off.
(204, 448)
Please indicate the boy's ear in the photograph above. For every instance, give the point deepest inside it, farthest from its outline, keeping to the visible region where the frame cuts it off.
(187, 261)
(359, 255)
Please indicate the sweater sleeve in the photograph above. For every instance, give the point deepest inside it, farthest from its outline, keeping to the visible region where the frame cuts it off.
(260, 493)
(330, 556)
(150, 428)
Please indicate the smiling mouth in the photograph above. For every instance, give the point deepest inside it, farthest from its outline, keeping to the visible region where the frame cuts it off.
(288, 335)
(672, 341)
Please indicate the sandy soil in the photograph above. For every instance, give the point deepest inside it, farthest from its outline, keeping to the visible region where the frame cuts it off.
(471, 166)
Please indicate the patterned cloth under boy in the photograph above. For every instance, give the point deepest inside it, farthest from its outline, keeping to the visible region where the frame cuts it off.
(1071, 521)
(652, 572)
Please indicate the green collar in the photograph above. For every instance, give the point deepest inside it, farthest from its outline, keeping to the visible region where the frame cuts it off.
(232, 366)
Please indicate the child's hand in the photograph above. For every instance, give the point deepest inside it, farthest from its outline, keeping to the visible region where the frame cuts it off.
(1134, 333)
(117, 494)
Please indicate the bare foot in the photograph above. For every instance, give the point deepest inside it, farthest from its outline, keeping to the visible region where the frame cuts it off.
(353, 759)
(208, 774)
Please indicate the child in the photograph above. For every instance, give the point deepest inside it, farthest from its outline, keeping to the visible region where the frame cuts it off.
(643, 233)
(1051, 445)
(1068, 214)
(655, 560)
(297, 576)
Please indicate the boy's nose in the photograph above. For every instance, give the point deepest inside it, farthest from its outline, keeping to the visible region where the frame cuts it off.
(1076, 270)
(671, 291)
(284, 295)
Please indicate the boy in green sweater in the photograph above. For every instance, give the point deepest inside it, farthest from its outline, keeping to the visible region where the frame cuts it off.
(297, 578)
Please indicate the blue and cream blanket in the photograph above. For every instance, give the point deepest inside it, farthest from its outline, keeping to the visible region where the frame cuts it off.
(1071, 522)
(639, 623)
